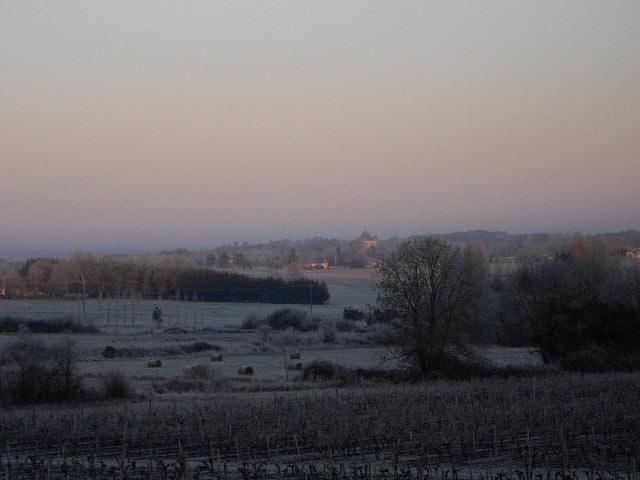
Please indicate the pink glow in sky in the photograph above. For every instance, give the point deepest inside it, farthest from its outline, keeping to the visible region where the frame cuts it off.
(192, 123)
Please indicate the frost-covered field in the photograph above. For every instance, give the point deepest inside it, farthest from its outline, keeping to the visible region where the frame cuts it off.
(273, 366)
(128, 339)
(127, 325)
(347, 288)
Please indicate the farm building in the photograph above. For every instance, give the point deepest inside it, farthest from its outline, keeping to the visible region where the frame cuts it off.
(634, 253)
(366, 241)
(317, 265)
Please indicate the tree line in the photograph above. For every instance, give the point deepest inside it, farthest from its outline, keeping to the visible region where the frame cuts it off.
(346, 253)
(580, 306)
(85, 275)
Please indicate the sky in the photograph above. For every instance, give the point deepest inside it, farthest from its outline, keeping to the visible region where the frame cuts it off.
(152, 124)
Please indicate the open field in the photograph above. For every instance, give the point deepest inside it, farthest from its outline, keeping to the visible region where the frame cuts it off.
(271, 367)
(108, 313)
(267, 356)
(347, 288)
(127, 325)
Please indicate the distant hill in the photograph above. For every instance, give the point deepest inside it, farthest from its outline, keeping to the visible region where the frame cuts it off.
(281, 253)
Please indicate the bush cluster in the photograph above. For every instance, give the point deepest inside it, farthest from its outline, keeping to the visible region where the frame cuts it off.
(54, 325)
(580, 308)
(138, 352)
(322, 370)
(199, 372)
(115, 386)
(350, 313)
(291, 318)
(283, 319)
(35, 373)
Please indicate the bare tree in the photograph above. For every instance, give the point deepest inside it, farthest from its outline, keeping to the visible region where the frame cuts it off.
(38, 275)
(65, 366)
(434, 291)
(61, 278)
(84, 265)
(27, 375)
(37, 373)
(11, 283)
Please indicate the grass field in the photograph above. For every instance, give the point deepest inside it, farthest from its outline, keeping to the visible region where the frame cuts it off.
(127, 325)
(347, 288)
(271, 368)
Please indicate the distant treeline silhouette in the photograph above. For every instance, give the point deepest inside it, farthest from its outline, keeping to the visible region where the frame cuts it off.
(85, 275)
(214, 286)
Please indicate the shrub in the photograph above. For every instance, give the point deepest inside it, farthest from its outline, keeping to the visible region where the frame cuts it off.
(138, 352)
(291, 318)
(329, 335)
(200, 347)
(378, 315)
(114, 385)
(350, 313)
(252, 322)
(40, 374)
(129, 352)
(295, 355)
(294, 366)
(175, 330)
(109, 352)
(156, 363)
(199, 372)
(322, 370)
(245, 371)
(54, 325)
(216, 358)
(381, 334)
(345, 326)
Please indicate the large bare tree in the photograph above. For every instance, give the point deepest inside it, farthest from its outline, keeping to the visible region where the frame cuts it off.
(434, 291)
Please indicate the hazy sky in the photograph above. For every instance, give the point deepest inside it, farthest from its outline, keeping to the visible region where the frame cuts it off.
(150, 123)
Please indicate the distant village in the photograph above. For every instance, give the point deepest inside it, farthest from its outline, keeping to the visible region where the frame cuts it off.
(365, 254)
(291, 257)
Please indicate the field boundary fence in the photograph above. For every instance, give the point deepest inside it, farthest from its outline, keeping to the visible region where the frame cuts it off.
(116, 313)
(134, 313)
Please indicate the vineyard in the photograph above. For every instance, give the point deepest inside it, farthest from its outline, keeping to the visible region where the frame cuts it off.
(545, 428)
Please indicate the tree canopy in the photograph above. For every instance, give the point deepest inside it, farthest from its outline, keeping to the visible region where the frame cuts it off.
(434, 291)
